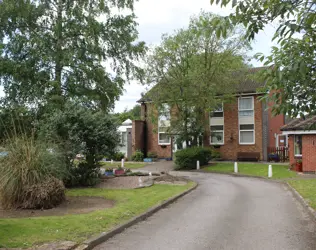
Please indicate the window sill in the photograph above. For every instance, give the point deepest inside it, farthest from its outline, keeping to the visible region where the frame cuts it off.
(245, 144)
(297, 156)
(217, 144)
(164, 144)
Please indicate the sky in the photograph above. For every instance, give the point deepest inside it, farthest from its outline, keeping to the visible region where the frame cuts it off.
(164, 16)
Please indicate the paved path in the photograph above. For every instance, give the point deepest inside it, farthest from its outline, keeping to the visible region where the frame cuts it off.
(160, 166)
(224, 212)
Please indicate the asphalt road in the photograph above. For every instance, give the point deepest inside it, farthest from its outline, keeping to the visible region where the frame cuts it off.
(224, 212)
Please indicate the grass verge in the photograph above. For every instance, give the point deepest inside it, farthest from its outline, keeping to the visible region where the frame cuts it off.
(25, 232)
(254, 169)
(131, 165)
(306, 188)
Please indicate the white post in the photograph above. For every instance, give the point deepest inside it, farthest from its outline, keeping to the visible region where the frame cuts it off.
(197, 165)
(122, 163)
(111, 161)
(270, 171)
(236, 167)
(150, 175)
(140, 181)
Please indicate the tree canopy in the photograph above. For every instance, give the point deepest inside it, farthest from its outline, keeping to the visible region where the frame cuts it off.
(292, 78)
(191, 67)
(54, 50)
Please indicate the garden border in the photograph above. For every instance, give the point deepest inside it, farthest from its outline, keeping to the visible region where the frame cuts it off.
(301, 200)
(94, 241)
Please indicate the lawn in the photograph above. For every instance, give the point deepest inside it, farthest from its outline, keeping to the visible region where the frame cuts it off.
(307, 189)
(131, 165)
(255, 169)
(25, 232)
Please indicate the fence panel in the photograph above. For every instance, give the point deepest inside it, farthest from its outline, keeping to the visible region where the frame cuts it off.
(278, 154)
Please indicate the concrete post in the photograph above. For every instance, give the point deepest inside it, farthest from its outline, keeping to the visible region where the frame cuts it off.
(122, 163)
(270, 171)
(236, 167)
(198, 165)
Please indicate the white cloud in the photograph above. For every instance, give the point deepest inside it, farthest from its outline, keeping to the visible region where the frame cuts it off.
(164, 16)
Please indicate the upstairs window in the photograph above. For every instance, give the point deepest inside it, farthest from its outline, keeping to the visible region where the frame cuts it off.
(218, 111)
(246, 106)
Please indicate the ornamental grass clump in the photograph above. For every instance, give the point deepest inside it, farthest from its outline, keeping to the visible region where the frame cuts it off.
(31, 174)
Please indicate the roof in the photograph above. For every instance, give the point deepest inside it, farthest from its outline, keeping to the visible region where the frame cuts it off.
(308, 123)
(248, 85)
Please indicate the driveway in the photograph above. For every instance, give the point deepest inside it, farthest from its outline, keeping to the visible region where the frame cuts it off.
(224, 212)
(157, 167)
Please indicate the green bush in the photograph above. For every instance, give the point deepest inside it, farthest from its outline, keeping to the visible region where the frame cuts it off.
(216, 154)
(118, 156)
(138, 156)
(187, 158)
(28, 169)
(152, 155)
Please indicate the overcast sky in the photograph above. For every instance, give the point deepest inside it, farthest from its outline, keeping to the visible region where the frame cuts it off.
(165, 16)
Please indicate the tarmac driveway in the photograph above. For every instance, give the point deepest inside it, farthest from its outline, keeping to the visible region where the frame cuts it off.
(224, 212)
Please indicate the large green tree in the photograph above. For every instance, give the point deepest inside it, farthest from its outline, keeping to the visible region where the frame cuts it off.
(292, 78)
(192, 72)
(54, 50)
(132, 114)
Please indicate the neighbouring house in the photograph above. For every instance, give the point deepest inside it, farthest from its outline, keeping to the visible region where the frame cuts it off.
(302, 142)
(125, 131)
(240, 129)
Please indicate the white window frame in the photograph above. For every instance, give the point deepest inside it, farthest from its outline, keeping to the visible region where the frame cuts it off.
(247, 130)
(217, 111)
(222, 143)
(169, 116)
(298, 155)
(253, 106)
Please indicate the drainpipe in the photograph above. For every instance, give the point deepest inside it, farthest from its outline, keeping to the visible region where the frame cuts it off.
(145, 130)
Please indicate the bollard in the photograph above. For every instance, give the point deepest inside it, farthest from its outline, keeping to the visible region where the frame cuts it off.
(122, 163)
(236, 167)
(270, 171)
(111, 161)
(150, 175)
(140, 181)
(198, 165)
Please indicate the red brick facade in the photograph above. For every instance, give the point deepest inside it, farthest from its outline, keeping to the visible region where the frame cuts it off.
(308, 152)
(138, 136)
(231, 131)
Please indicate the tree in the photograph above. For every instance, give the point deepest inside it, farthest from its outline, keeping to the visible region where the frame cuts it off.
(54, 50)
(132, 114)
(79, 130)
(190, 68)
(292, 79)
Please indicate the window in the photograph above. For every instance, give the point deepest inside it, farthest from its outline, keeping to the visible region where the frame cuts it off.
(298, 145)
(217, 135)
(246, 134)
(123, 138)
(245, 106)
(163, 125)
(218, 112)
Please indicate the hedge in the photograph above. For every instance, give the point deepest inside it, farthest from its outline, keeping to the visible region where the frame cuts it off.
(187, 158)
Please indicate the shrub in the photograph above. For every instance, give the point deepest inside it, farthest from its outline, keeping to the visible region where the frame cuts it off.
(118, 156)
(44, 195)
(82, 175)
(29, 166)
(216, 154)
(138, 156)
(152, 155)
(187, 158)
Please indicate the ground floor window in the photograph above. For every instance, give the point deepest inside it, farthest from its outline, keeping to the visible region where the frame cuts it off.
(217, 135)
(247, 134)
(163, 137)
(298, 145)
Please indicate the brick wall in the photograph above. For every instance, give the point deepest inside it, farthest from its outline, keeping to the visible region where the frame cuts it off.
(309, 153)
(231, 131)
(137, 136)
(163, 151)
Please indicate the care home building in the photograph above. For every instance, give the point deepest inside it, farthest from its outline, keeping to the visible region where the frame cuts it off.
(302, 142)
(243, 128)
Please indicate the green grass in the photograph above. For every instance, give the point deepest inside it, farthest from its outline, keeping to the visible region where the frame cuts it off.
(131, 165)
(25, 232)
(307, 189)
(255, 169)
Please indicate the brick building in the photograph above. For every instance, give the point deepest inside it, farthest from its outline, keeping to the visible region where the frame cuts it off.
(241, 126)
(302, 142)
